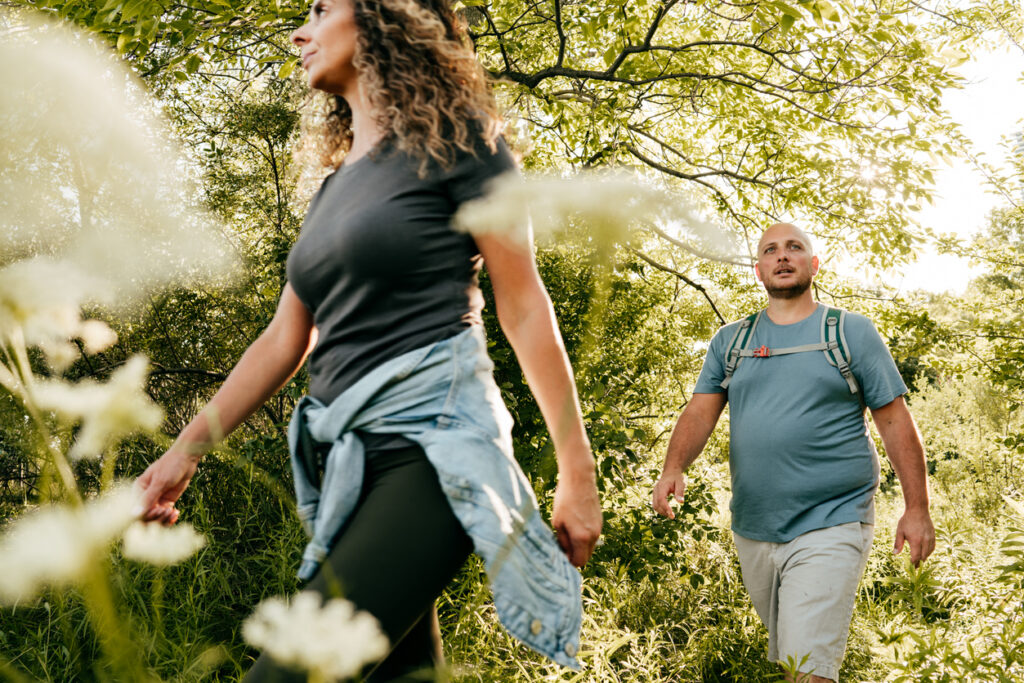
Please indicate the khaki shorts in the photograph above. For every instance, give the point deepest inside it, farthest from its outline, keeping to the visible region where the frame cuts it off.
(804, 592)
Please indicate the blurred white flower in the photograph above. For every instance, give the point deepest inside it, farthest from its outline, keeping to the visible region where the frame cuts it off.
(39, 306)
(55, 546)
(96, 336)
(611, 206)
(161, 545)
(108, 412)
(88, 173)
(333, 640)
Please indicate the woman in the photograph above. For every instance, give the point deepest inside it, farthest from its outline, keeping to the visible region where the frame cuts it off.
(402, 451)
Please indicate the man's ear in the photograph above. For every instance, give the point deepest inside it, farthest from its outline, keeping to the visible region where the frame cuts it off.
(757, 271)
(814, 266)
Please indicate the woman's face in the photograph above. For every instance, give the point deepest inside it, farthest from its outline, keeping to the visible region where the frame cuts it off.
(328, 44)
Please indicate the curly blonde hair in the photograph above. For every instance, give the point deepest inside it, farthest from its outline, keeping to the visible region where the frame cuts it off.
(423, 82)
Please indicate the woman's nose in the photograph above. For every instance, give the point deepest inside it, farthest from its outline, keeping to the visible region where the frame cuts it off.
(299, 37)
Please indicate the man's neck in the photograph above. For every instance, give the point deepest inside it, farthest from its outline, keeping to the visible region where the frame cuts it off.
(789, 311)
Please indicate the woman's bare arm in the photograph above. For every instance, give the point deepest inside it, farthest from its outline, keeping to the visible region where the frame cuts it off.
(265, 367)
(528, 320)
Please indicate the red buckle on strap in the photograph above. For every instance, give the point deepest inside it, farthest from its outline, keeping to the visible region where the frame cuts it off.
(762, 352)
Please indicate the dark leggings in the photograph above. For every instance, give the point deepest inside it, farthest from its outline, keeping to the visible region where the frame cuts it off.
(397, 553)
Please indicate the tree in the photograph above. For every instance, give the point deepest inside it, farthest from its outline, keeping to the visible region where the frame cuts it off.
(823, 112)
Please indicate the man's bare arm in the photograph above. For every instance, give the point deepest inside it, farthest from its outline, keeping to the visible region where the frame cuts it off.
(688, 439)
(903, 446)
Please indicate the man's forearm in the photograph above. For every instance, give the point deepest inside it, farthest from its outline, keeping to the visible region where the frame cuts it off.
(905, 451)
(908, 461)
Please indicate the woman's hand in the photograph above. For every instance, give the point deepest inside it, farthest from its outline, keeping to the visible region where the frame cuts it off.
(162, 484)
(576, 515)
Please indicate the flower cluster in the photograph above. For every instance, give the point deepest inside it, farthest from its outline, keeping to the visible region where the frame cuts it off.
(108, 412)
(332, 640)
(87, 175)
(40, 301)
(610, 205)
(56, 546)
(161, 545)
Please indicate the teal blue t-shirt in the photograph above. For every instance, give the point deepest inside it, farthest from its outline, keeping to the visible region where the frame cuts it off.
(800, 454)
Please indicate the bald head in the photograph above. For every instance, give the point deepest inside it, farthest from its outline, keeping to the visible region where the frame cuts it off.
(781, 233)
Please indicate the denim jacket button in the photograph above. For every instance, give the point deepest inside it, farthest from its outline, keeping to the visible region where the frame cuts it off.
(536, 627)
(570, 649)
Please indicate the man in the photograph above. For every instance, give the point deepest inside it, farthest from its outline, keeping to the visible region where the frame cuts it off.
(804, 469)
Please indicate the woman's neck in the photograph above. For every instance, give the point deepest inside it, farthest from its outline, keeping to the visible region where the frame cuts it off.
(365, 131)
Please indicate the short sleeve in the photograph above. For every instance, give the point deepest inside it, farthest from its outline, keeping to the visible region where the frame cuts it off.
(712, 373)
(872, 364)
(469, 177)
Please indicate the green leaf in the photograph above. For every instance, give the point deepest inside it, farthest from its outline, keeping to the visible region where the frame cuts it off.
(610, 54)
(788, 10)
(288, 67)
(827, 10)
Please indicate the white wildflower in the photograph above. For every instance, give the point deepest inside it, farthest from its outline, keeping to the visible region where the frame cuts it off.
(161, 545)
(56, 546)
(333, 640)
(611, 206)
(96, 336)
(88, 174)
(39, 305)
(108, 412)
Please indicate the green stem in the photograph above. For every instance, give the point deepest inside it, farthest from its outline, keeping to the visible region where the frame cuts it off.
(107, 476)
(115, 643)
(9, 673)
(158, 598)
(17, 364)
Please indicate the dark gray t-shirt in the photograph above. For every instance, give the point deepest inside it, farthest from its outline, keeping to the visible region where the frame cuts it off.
(379, 265)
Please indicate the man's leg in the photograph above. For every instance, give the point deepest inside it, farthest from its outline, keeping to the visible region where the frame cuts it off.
(761, 578)
(400, 549)
(819, 575)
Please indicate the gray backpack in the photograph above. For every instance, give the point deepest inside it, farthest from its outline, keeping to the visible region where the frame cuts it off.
(833, 343)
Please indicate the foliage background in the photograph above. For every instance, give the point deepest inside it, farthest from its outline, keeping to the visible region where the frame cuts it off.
(761, 111)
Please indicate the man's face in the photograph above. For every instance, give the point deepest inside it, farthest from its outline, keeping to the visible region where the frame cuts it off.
(785, 263)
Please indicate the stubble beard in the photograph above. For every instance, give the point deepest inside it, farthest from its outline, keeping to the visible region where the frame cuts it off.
(792, 291)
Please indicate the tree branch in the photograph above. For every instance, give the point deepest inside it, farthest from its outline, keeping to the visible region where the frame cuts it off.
(700, 288)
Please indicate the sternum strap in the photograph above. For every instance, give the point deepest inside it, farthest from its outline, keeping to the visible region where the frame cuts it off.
(759, 353)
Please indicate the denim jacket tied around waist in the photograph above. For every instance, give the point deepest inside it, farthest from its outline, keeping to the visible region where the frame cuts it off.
(444, 398)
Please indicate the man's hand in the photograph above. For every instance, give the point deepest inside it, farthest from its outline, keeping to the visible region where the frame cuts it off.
(576, 516)
(162, 484)
(915, 528)
(668, 485)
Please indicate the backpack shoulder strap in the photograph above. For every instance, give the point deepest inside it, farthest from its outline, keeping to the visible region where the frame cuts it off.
(740, 341)
(837, 350)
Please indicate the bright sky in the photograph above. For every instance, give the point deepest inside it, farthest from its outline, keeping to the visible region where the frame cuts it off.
(989, 107)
